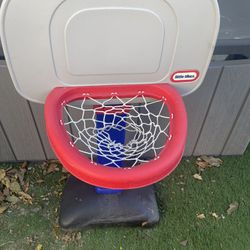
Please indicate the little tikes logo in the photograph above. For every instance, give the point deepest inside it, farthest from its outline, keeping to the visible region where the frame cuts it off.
(185, 76)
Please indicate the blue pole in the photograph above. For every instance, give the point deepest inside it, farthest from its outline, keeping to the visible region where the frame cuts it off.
(116, 136)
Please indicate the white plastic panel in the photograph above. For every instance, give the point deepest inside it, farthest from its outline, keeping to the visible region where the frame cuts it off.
(113, 45)
(96, 45)
(96, 42)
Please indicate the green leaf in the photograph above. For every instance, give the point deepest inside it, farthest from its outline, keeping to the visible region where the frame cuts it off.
(15, 187)
(12, 199)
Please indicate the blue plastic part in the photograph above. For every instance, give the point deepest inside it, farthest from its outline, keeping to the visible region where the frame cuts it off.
(100, 190)
(117, 136)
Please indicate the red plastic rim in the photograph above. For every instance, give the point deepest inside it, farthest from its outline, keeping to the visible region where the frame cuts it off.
(116, 178)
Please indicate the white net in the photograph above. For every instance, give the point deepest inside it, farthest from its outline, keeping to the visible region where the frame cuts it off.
(118, 132)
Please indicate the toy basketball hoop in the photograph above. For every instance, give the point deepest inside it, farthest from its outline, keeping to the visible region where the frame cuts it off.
(112, 75)
(168, 124)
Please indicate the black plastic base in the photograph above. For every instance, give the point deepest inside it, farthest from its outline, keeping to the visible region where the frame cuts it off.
(81, 207)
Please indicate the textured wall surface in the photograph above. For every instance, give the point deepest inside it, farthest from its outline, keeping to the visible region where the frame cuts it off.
(218, 114)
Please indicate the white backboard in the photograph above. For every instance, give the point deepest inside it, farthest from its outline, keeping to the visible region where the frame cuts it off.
(50, 43)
